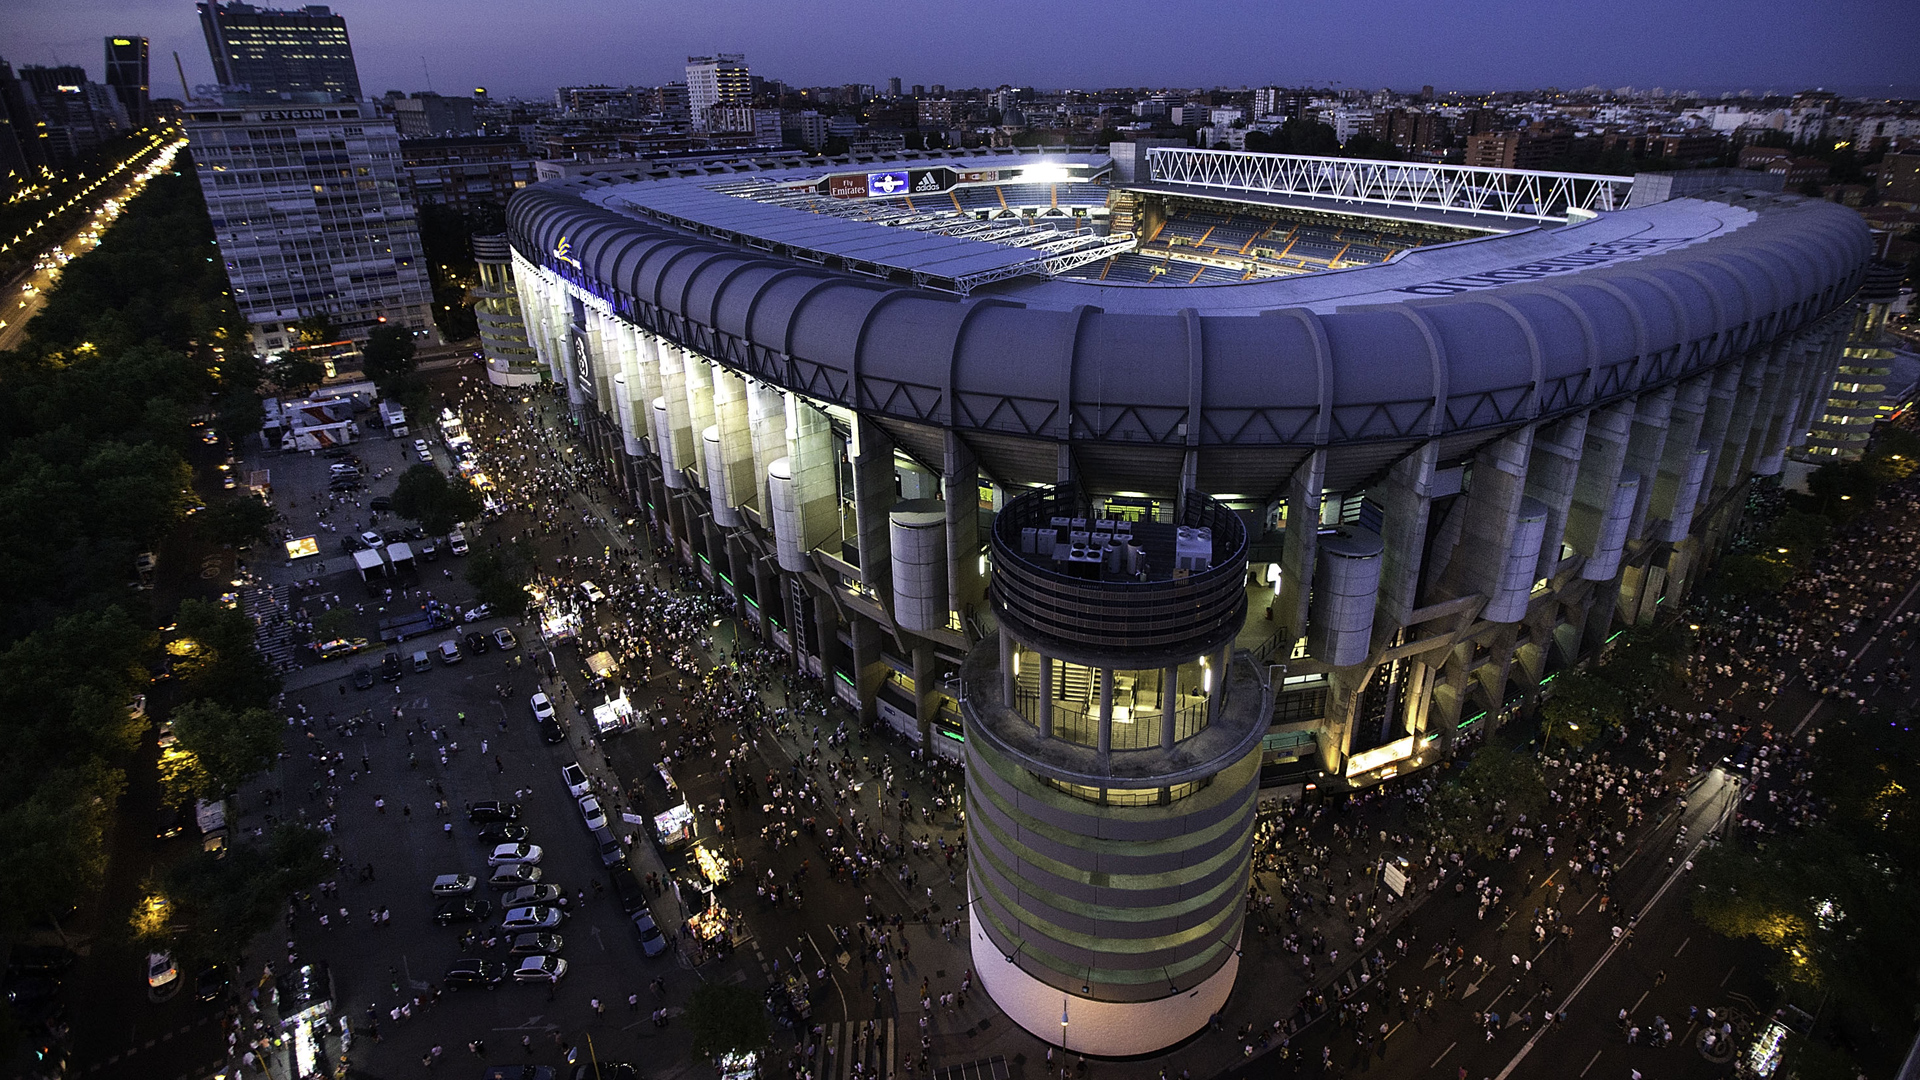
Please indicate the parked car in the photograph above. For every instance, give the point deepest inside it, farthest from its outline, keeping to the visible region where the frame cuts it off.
(612, 852)
(542, 707)
(211, 985)
(380, 504)
(161, 969)
(576, 778)
(504, 640)
(475, 642)
(551, 732)
(462, 909)
(514, 876)
(652, 941)
(629, 890)
(491, 810)
(535, 944)
(454, 884)
(527, 895)
(340, 647)
(504, 832)
(373, 539)
(596, 818)
(535, 917)
(363, 678)
(508, 854)
(450, 652)
(427, 549)
(474, 972)
(540, 969)
(390, 669)
(592, 593)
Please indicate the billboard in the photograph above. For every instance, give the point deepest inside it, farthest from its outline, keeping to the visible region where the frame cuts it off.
(981, 176)
(930, 181)
(881, 185)
(1398, 750)
(847, 186)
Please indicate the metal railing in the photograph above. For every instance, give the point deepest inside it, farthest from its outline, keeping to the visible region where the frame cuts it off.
(1466, 189)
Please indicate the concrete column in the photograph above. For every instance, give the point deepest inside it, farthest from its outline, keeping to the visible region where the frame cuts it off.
(1304, 491)
(966, 588)
(737, 479)
(815, 492)
(623, 407)
(1222, 664)
(1106, 712)
(677, 437)
(1405, 498)
(1492, 511)
(1652, 416)
(1551, 477)
(1676, 484)
(869, 670)
(1006, 672)
(874, 494)
(826, 629)
(926, 676)
(1169, 706)
(1602, 460)
(697, 380)
(1045, 713)
(1767, 414)
(1723, 389)
(1736, 464)
(767, 418)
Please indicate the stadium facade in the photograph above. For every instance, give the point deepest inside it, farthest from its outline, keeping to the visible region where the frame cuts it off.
(1138, 481)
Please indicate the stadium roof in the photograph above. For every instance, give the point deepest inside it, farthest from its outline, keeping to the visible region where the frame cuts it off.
(1467, 337)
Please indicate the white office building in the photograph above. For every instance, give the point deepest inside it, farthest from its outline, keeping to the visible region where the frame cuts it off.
(715, 82)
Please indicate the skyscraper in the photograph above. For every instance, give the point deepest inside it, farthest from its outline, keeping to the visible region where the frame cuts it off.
(716, 81)
(127, 75)
(301, 55)
(312, 218)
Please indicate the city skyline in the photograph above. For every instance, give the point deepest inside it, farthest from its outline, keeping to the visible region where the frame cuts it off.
(515, 50)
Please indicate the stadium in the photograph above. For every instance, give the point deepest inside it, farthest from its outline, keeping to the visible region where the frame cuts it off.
(1149, 481)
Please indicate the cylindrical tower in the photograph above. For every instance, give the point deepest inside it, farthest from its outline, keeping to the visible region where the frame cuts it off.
(1346, 588)
(1509, 600)
(917, 531)
(1112, 770)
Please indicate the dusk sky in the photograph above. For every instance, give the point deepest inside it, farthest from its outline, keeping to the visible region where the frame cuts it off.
(526, 47)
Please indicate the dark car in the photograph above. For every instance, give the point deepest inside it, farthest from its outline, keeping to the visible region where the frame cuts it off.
(380, 504)
(39, 960)
(390, 667)
(427, 549)
(171, 823)
(394, 536)
(462, 909)
(476, 643)
(481, 813)
(211, 985)
(630, 890)
(550, 731)
(474, 972)
(504, 832)
(351, 543)
(363, 678)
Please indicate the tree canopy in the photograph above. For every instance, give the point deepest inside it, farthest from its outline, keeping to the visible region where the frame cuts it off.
(1465, 811)
(424, 494)
(726, 1018)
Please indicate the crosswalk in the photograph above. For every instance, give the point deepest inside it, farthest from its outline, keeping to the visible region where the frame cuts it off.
(867, 1044)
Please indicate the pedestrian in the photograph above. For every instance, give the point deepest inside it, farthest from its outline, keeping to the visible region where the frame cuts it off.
(633, 1002)
(526, 1043)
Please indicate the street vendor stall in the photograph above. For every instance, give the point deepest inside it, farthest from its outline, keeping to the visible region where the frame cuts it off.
(714, 926)
(675, 827)
(558, 626)
(712, 864)
(613, 716)
(602, 665)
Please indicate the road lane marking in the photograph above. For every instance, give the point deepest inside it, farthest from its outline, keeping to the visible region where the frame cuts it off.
(1637, 1004)
(1682, 948)
(1590, 1061)
(1729, 977)
(1443, 1053)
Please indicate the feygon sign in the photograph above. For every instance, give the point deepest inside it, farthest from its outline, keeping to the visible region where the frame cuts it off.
(583, 363)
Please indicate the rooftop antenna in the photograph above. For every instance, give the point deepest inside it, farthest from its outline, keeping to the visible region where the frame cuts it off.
(185, 94)
(428, 74)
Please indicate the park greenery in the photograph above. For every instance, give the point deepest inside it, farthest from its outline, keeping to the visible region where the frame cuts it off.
(1468, 811)
(1587, 703)
(726, 1018)
(1835, 902)
(137, 352)
(424, 494)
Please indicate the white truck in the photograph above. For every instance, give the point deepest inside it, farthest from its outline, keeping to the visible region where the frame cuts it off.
(212, 819)
(393, 418)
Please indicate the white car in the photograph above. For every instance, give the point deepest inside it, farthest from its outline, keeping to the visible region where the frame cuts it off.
(590, 809)
(542, 707)
(454, 884)
(592, 592)
(161, 969)
(420, 446)
(540, 969)
(512, 854)
(576, 778)
(533, 917)
(373, 539)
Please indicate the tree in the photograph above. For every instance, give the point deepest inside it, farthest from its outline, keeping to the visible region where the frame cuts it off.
(1836, 901)
(387, 354)
(424, 494)
(1582, 707)
(500, 576)
(335, 622)
(726, 1018)
(214, 657)
(293, 374)
(1465, 812)
(228, 747)
(217, 903)
(237, 522)
(318, 329)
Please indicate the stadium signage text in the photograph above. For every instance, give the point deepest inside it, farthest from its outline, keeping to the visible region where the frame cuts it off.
(847, 186)
(1590, 256)
(882, 184)
(563, 251)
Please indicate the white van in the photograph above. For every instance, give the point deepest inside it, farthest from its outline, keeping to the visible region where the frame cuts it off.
(457, 542)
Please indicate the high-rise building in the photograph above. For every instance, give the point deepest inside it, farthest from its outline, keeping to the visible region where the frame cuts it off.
(23, 150)
(312, 218)
(301, 55)
(127, 75)
(714, 81)
(74, 115)
(893, 87)
(425, 115)
(511, 361)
